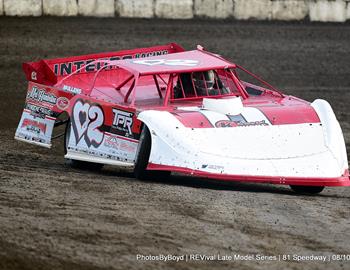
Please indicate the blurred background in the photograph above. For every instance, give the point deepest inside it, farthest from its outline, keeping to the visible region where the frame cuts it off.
(313, 10)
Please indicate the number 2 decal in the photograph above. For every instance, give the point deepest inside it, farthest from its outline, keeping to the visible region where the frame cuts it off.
(86, 121)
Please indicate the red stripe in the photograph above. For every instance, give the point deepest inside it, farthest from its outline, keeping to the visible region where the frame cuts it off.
(343, 180)
(193, 120)
(290, 114)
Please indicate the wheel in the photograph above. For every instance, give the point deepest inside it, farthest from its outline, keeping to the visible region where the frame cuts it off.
(142, 157)
(78, 164)
(307, 189)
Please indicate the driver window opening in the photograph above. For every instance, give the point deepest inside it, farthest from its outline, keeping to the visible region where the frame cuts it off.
(203, 84)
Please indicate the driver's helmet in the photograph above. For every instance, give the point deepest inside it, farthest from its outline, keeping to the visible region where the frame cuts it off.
(203, 81)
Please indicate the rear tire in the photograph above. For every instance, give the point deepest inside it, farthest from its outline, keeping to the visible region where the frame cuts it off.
(142, 157)
(307, 189)
(78, 164)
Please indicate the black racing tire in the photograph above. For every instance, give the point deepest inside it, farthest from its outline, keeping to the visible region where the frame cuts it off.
(142, 157)
(307, 189)
(78, 164)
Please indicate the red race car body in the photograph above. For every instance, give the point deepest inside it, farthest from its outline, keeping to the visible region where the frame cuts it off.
(163, 109)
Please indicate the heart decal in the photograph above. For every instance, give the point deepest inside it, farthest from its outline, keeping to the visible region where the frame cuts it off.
(86, 119)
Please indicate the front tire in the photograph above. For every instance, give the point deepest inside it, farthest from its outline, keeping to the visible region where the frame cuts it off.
(142, 157)
(307, 189)
(78, 164)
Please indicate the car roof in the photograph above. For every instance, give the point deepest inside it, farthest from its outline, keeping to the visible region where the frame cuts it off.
(181, 62)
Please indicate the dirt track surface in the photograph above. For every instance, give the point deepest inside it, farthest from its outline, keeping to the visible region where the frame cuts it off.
(54, 217)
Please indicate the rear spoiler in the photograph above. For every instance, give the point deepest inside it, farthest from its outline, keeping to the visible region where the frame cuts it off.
(50, 71)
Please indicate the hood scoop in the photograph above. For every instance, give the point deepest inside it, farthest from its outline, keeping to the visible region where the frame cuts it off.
(228, 106)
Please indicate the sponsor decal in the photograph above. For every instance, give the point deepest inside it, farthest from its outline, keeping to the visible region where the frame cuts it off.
(111, 142)
(63, 69)
(86, 120)
(42, 96)
(167, 62)
(239, 121)
(34, 75)
(122, 122)
(71, 89)
(34, 126)
(226, 123)
(30, 138)
(120, 144)
(229, 123)
(38, 110)
(148, 54)
(213, 167)
(62, 103)
(127, 147)
(34, 129)
(254, 123)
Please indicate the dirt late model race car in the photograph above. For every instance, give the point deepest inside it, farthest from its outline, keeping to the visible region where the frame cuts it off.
(163, 109)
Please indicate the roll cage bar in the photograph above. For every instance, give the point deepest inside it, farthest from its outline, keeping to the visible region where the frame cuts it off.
(169, 94)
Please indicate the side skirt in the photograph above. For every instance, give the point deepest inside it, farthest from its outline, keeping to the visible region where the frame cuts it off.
(89, 158)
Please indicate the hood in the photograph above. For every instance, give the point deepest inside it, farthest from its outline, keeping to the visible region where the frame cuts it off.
(223, 113)
(250, 143)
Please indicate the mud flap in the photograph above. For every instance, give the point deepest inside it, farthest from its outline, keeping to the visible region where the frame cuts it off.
(35, 129)
(43, 105)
